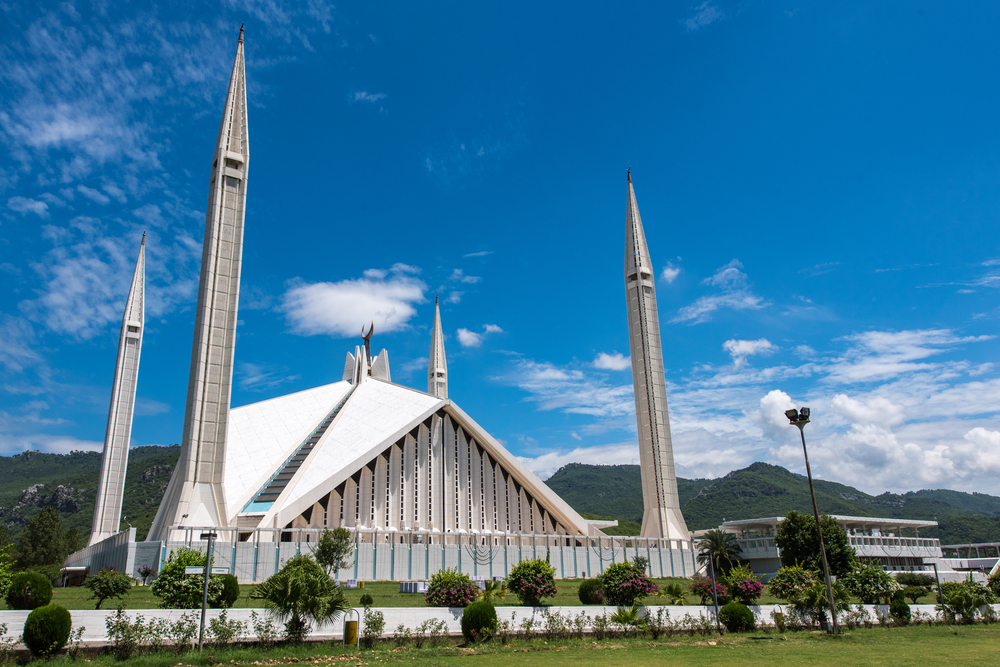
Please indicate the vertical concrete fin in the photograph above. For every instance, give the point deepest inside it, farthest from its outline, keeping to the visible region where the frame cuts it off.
(195, 495)
(111, 483)
(437, 365)
(662, 515)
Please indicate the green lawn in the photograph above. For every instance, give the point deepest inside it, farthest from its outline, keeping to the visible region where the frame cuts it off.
(939, 645)
(384, 594)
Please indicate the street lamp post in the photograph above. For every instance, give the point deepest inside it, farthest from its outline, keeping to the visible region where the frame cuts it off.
(800, 418)
(715, 592)
(204, 598)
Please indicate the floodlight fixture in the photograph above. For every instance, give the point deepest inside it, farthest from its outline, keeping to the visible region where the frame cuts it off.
(793, 415)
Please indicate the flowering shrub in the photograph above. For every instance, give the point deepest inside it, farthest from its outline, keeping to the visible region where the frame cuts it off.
(744, 585)
(624, 583)
(451, 588)
(702, 587)
(870, 583)
(532, 580)
(791, 581)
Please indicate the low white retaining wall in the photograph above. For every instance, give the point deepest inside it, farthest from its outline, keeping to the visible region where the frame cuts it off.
(410, 617)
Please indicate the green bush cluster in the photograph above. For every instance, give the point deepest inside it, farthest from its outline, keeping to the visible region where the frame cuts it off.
(870, 583)
(899, 610)
(624, 584)
(479, 621)
(230, 591)
(532, 580)
(790, 581)
(47, 629)
(177, 590)
(106, 584)
(367, 600)
(450, 588)
(591, 591)
(737, 617)
(28, 590)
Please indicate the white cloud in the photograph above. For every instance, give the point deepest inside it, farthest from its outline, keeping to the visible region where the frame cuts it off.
(262, 376)
(545, 465)
(616, 361)
(454, 297)
(23, 205)
(739, 350)
(669, 273)
(469, 338)
(492, 328)
(93, 195)
(735, 294)
(458, 275)
(481, 253)
(362, 96)
(877, 410)
(704, 15)
(342, 308)
(879, 355)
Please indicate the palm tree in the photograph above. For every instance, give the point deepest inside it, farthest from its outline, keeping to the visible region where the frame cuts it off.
(299, 593)
(719, 546)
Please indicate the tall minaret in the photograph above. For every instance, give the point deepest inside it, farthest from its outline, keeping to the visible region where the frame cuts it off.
(111, 486)
(437, 367)
(662, 514)
(195, 489)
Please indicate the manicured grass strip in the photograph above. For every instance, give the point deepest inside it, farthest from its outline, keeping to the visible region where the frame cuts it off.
(939, 645)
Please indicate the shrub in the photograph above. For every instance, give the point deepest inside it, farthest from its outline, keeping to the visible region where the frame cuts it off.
(915, 579)
(624, 584)
(791, 581)
(177, 590)
(702, 587)
(914, 593)
(367, 600)
(28, 590)
(900, 611)
(478, 621)
(591, 591)
(744, 585)
(993, 584)
(532, 580)
(870, 583)
(674, 593)
(230, 590)
(47, 629)
(106, 584)
(300, 592)
(451, 588)
(814, 602)
(737, 617)
(374, 627)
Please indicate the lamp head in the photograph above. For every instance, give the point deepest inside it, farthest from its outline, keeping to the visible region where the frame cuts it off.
(793, 415)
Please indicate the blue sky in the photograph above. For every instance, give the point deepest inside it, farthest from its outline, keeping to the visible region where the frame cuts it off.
(819, 185)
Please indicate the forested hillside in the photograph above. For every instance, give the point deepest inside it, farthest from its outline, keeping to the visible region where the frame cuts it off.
(68, 482)
(763, 490)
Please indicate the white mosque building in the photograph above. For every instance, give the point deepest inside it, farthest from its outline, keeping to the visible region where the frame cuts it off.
(417, 481)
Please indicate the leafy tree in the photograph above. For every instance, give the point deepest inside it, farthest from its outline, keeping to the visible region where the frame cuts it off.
(870, 583)
(106, 584)
(6, 567)
(333, 550)
(799, 543)
(299, 593)
(721, 547)
(74, 541)
(43, 541)
(177, 590)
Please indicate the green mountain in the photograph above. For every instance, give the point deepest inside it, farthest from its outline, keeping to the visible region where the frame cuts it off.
(68, 482)
(763, 490)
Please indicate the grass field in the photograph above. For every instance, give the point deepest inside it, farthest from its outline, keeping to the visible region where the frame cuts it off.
(384, 593)
(939, 645)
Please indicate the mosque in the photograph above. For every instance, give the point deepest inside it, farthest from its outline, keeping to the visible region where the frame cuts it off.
(416, 480)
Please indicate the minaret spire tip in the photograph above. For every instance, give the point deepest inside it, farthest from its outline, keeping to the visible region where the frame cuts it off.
(241, 33)
(629, 172)
(435, 299)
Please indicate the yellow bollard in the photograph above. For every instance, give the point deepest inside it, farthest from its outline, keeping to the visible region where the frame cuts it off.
(361, 584)
(351, 633)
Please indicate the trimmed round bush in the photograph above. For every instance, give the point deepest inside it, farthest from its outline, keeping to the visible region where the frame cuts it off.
(737, 617)
(899, 611)
(532, 580)
(478, 621)
(451, 588)
(47, 629)
(230, 590)
(367, 600)
(591, 592)
(28, 590)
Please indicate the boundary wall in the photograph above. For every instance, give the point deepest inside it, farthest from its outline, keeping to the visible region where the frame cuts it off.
(410, 617)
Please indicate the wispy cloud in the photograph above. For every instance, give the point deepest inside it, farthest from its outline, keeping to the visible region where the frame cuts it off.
(362, 96)
(739, 350)
(262, 376)
(459, 275)
(25, 205)
(704, 15)
(481, 253)
(669, 273)
(470, 338)
(734, 293)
